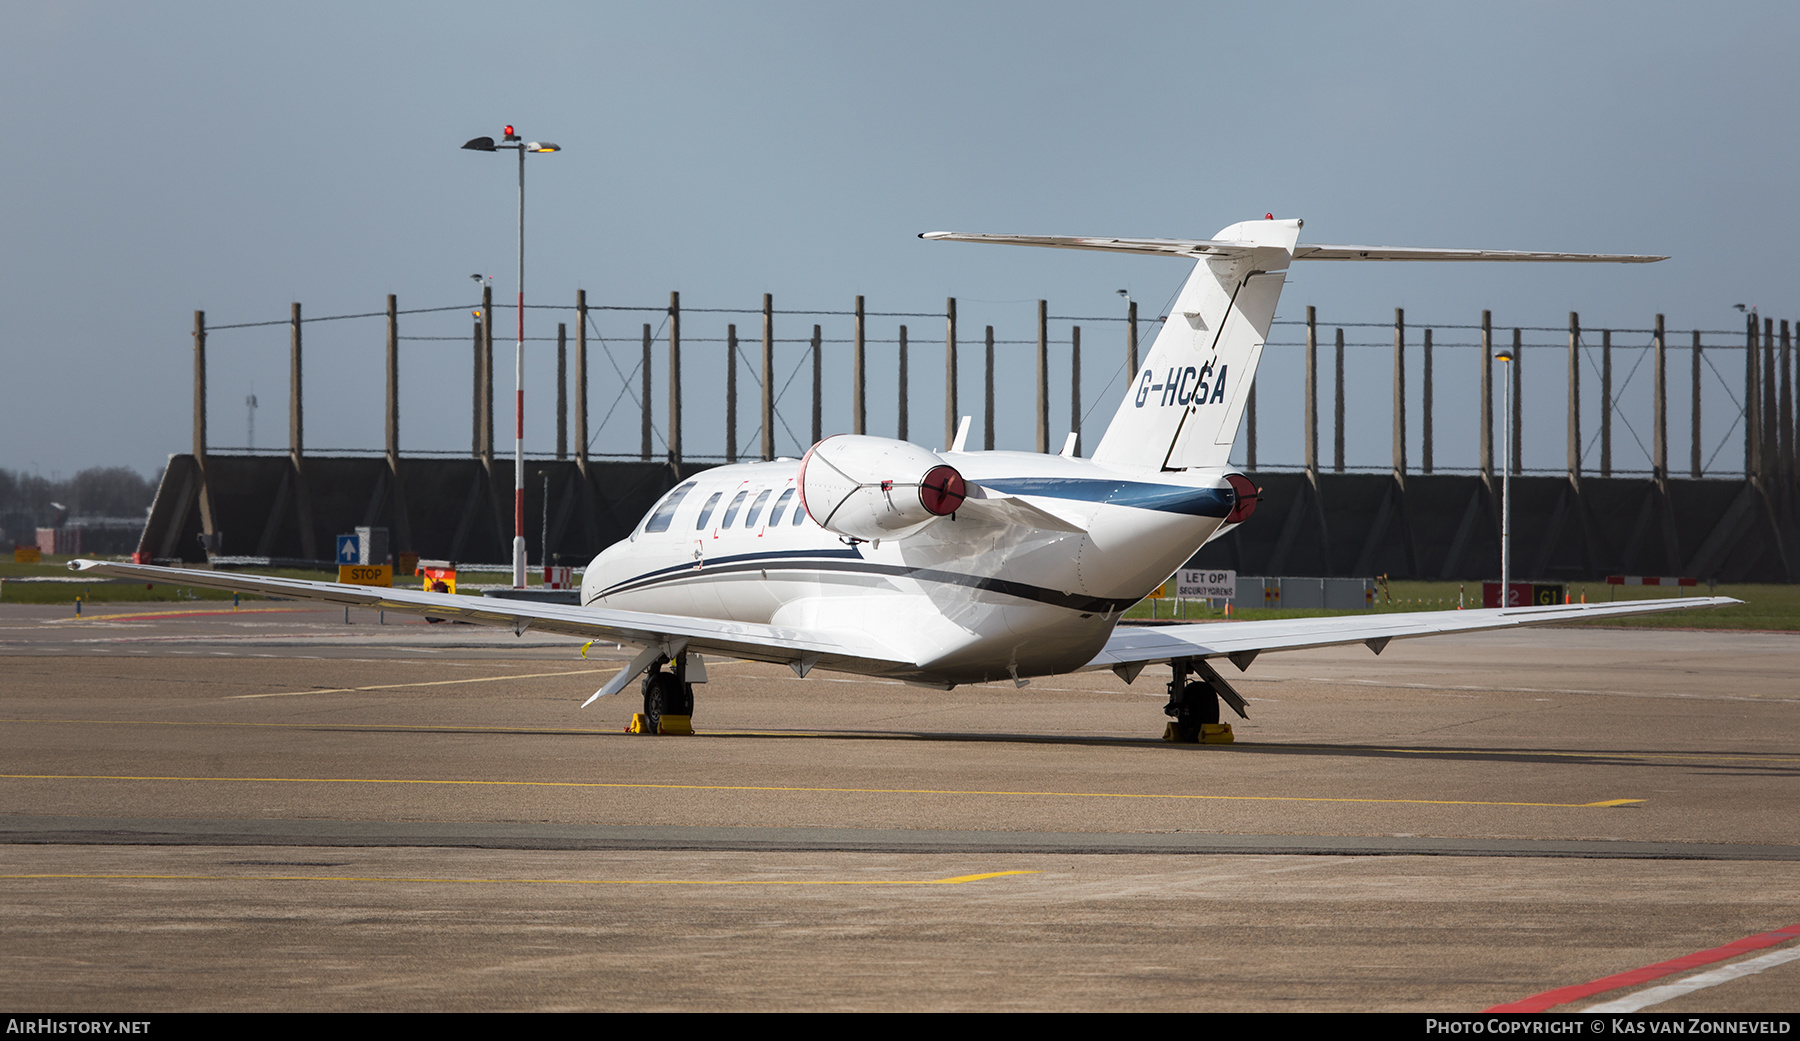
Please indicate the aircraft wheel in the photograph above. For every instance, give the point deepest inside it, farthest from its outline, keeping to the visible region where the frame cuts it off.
(661, 695)
(1200, 704)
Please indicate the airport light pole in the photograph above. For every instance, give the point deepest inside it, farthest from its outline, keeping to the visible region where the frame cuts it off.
(513, 142)
(1505, 357)
(1131, 344)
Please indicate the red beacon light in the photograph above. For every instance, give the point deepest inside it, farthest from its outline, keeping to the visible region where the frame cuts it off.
(510, 135)
(1266, 216)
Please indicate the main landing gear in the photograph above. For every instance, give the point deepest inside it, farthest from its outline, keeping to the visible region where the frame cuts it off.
(1194, 705)
(668, 700)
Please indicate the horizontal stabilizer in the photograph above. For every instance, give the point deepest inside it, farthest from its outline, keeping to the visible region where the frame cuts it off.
(1163, 247)
(1186, 402)
(1195, 248)
(1306, 251)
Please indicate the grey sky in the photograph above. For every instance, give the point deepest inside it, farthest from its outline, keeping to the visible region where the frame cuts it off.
(236, 157)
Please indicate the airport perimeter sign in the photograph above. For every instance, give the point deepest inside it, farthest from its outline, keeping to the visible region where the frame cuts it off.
(1197, 584)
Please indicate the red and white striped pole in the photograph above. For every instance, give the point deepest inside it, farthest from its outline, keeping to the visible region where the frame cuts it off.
(515, 143)
(518, 546)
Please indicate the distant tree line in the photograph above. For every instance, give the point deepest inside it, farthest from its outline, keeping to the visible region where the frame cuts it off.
(27, 501)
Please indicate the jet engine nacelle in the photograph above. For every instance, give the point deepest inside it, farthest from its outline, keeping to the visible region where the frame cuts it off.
(877, 487)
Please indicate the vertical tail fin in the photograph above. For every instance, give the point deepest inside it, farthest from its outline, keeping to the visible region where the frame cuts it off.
(1184, 404)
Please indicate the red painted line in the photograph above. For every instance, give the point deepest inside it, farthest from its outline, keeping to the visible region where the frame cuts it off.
(1564, 995)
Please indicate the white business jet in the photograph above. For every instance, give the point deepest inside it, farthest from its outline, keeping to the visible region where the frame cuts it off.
(883, 558)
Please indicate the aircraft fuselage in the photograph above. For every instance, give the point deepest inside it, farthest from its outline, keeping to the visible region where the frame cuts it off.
(965, 600)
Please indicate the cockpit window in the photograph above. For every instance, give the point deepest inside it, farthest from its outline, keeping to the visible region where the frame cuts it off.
(731, 511)
(756, 509)
(780, 507)
(706, 511)
(665, 510)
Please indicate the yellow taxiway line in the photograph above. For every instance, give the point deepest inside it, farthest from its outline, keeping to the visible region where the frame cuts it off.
(422, 727)
(474, 728)
(184, 612)
(423, 683)
(801, 790)
(953, 881)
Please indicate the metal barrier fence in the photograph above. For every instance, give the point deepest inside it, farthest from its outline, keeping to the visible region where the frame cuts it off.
(1735, 417)
(657, 383)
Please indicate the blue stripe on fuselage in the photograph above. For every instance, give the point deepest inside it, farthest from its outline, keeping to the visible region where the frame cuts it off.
(814, 566)
(1168, 498)
(714, 563)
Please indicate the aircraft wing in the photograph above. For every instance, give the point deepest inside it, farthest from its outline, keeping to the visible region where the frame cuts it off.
(846, 651)
(1132, 647)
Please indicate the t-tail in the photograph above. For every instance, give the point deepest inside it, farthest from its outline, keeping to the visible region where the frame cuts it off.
(1185, 404)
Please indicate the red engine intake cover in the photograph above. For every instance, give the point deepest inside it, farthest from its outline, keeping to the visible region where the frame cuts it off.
(942, 490)
(1247, 495)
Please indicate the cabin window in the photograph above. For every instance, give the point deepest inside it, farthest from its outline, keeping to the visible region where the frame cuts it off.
(731, 511)
(706, 511)
(799, 513)
(756, 509)
(665, 510)
(780, 507)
